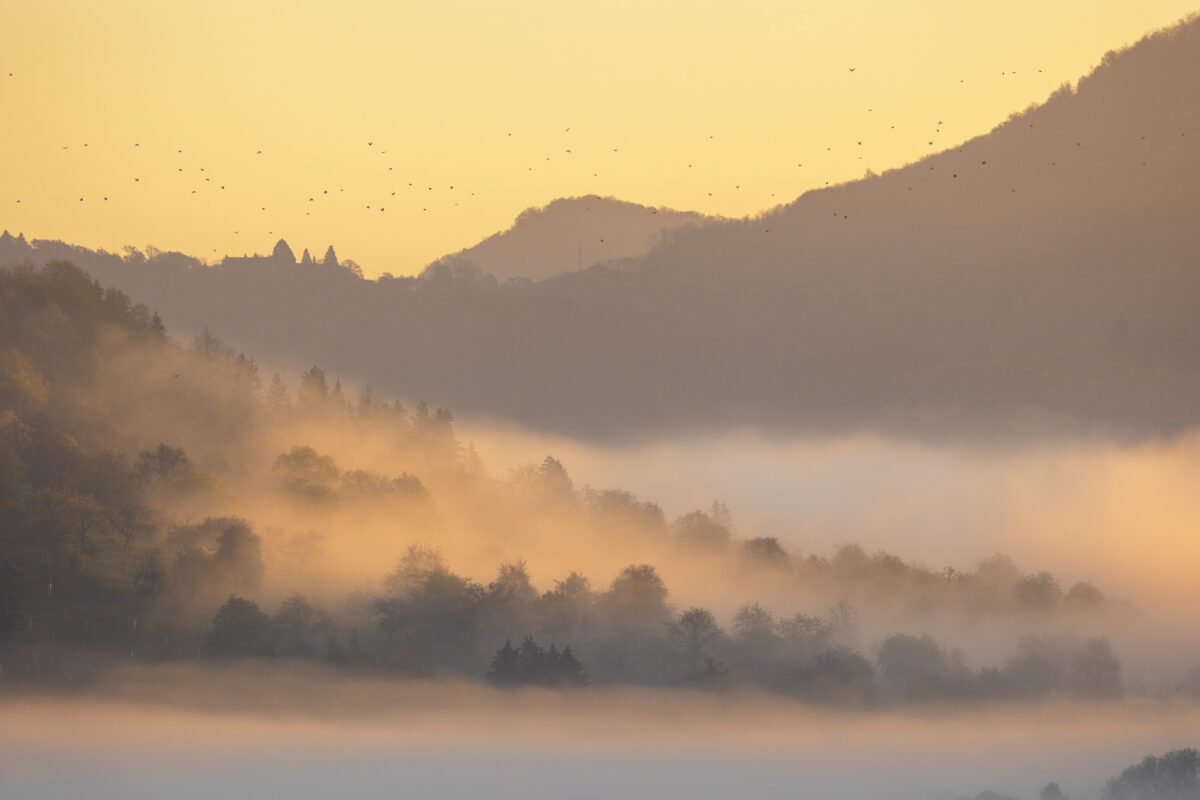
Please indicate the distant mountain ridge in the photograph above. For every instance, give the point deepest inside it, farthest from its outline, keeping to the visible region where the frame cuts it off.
(572, 233)
(1042, 279)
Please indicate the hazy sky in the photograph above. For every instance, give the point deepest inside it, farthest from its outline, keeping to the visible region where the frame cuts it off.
(488, 108)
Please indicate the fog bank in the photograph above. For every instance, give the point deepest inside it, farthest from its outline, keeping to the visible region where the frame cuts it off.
(366, 738)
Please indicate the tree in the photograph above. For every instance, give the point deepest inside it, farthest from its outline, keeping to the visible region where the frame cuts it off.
(239, 555)
(637, 599)
(12, 600)
(296, 624)
(1173, 776)
(699, 530)
(422, 419)
(427, 605)
(217, 553)
(149, 577)
(721, 515)
(530, 665)
(415, 565)
(313, 394)
(997, 572)
(1037, 668)
(1084, 596)
(621, 510)
(210, 345)
(765, 551)
(283, 253)
(565, 609)
(805, 635)
(850, 562)
(304, 472)
(506, 668)
(22, 388)
(695, 637)
(277, 400)
(131, 519)
(913, 666)
(1038, 592)
(570, 672)
(168, 469)
(553, 486)
(1052, 791)
(157, 327)
(1095, 671)
(366, 407)
(240, 629)
(337, 399)
(840, 675)
(755, 638)
(512, 587)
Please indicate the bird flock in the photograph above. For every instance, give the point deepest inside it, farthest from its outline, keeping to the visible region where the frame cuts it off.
(195, 178)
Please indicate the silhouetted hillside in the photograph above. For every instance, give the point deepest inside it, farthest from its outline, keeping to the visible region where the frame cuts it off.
(571, 233)
(1044, 278)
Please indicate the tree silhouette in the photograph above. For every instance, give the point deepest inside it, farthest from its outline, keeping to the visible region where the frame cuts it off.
(531, 665)
(1173, 776)
(240, 629)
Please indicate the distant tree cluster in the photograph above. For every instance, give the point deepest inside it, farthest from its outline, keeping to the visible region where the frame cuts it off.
(306, 475)
(530, 665)
(241, 629)
(1172, 776)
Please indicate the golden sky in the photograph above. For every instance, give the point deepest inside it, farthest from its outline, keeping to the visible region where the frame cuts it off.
(470, 112)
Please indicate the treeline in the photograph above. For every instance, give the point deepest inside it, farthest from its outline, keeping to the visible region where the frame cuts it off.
(1172, 776)
(434, 621)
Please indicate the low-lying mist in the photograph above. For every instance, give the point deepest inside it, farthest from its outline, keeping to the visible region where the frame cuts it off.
(271, 732)
(1121, 515)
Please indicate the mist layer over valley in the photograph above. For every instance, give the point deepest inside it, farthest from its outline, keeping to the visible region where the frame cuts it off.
(368, 738)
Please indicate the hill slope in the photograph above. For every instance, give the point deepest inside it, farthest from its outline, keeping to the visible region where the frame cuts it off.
(570, 233)
(1043, 278)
